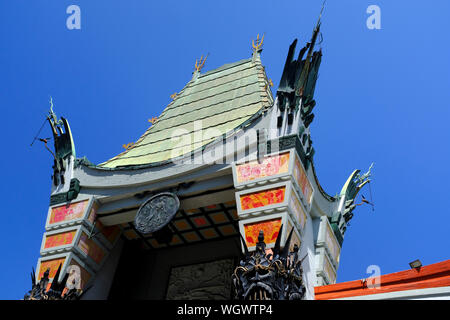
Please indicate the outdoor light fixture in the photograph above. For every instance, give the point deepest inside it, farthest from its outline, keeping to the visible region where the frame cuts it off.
(415, 264)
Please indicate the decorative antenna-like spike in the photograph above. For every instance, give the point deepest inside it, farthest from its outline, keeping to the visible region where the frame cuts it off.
(200, 63)
(305, 71)
(33, 277)
(276, 248)
(284, 253)
(54, 285)
(257, 47)
(64, 280)
(302, 53)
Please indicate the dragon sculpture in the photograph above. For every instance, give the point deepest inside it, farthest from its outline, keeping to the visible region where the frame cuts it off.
(269, 276)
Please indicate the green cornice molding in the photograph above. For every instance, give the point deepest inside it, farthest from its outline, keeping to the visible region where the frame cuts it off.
(70, 195)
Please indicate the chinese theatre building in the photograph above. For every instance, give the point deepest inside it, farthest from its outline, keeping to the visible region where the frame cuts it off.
(218, 199)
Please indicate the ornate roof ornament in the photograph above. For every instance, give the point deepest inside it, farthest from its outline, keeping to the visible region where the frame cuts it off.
(67, 289)
(128, 145)
(351, 189)
(200, 63)
(153, 120)
(298, 81)
(63, 144)
(257, 46)
(355, 182)
(263, 276)
(52, 117)
(268, 84)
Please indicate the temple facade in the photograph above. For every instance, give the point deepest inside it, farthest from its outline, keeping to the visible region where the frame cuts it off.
(218, 199)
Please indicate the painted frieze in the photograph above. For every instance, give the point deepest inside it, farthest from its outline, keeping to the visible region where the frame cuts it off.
(67, 212)
(301, 179)
(59, 239)
(270, 225)
(298, 213)
(262, 198)
(270, 166)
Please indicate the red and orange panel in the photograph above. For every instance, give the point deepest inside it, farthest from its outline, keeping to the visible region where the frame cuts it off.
(75, 239)
(270, 225)
(66, 260)
(67, 214)
(271, 167)
(266, 199)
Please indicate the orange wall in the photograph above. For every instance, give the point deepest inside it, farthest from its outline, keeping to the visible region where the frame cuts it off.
(431, 276)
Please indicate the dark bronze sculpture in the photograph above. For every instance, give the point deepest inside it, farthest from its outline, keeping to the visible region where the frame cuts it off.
(262, 276)
(56, 291)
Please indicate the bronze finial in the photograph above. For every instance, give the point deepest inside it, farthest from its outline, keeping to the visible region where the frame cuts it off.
(268, 84)
(152, 120)
(199, 64)
(128, 146)
(258, 45)
(174, 95)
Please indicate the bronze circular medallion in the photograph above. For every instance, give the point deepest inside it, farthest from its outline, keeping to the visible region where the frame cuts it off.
(156, 212)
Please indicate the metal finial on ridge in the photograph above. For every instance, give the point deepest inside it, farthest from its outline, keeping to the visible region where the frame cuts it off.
(199, 64)
(259, 42)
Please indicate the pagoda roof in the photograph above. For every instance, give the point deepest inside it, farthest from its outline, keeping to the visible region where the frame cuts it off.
(224, 99)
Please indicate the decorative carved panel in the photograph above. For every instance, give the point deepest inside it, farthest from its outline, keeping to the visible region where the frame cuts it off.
(203, 281)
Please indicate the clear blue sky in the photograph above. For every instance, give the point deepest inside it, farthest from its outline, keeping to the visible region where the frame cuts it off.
(382, 96)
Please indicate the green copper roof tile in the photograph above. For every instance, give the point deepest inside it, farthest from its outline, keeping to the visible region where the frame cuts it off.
(222, 99)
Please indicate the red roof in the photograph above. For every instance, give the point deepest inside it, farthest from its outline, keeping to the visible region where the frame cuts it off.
(431, 276)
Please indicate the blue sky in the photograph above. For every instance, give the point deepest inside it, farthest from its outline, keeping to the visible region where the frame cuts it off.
(382, 96)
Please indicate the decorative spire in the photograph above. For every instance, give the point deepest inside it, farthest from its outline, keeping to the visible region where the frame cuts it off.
(259, 42)
(199, 64)
(63, 144)
(298, 81)
(257, 45)
(305, 71)
(53, 119)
